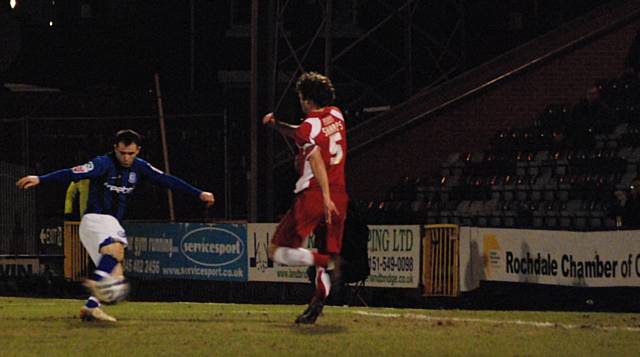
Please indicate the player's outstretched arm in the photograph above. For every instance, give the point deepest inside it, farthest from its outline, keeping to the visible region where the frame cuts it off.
(286, 129)
(28, 182)
(269, 119)
(175, 183)
(208, 198)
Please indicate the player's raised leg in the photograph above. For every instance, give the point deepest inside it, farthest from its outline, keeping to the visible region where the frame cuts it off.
(285, 248)
(105, 241)
(294, 227)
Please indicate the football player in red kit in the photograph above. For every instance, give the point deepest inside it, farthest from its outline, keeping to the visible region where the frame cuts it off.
(321, 197)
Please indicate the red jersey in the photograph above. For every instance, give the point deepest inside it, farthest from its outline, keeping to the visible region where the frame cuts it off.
(325, 131)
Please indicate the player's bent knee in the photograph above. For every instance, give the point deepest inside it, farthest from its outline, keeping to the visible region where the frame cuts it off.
(115, 249)
(272, 250)
(118, 271)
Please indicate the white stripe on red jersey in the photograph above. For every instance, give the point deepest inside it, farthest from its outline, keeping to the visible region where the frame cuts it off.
(326, 131)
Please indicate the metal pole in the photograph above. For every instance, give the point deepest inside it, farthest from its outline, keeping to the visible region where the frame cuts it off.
(408, 60)
(165, 152)
(253, 117)
(192, 34)
(227, 188)
(328, 40)
(25, 143)
(274, 26)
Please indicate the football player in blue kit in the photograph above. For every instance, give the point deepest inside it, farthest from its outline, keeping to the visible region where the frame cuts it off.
(113, 176)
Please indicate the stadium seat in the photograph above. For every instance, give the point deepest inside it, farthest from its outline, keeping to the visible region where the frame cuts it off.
(542, 175)
(509, 214)
(537, 216)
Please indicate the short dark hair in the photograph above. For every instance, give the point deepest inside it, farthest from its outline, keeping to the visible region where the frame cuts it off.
(128, 137)
(316, 87)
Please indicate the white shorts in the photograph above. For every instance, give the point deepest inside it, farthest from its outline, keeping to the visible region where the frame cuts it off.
(95, 229)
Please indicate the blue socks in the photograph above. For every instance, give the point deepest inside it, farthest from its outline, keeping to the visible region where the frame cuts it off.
(105, 267)
(92, 303)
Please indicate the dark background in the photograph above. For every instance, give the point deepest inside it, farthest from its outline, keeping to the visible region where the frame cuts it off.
(102, 56)
(121, 43)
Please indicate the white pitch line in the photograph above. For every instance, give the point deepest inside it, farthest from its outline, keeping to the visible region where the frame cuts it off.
(497, 322)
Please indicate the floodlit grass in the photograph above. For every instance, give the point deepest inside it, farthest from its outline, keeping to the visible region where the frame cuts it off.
(50, 327)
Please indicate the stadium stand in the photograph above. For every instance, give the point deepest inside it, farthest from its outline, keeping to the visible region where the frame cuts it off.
(559, 173)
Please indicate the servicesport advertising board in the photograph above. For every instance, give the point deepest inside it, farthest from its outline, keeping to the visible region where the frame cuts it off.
(187, 251)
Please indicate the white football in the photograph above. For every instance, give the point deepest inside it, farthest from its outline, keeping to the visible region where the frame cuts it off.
(113, 290)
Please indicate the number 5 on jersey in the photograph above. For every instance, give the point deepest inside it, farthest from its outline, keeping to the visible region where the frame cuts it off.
(335, 148)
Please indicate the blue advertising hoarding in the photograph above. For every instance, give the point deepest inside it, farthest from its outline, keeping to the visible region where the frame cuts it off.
(187, 251)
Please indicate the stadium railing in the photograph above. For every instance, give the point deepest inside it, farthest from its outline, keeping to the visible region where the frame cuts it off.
(441, 263)
(77, 263)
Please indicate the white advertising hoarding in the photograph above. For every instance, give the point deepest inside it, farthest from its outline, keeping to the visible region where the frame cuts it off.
(590, 259)
(394, 257)
(261, 268)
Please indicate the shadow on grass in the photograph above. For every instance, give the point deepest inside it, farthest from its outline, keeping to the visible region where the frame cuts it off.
(77, 323)
(317, 329)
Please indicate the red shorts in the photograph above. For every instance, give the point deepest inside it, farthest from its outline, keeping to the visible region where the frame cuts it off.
(306, 215)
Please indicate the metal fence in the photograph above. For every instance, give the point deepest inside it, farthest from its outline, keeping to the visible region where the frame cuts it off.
(18, 228)
(77, 263)
(197, 145)
(441, 262)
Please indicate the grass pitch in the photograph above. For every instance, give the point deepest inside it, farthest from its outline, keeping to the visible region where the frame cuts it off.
(51, 327)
